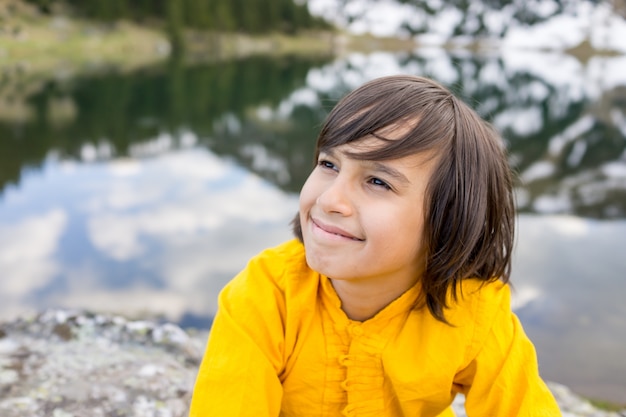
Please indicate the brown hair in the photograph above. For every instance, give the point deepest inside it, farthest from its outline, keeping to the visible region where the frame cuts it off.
(469, 209)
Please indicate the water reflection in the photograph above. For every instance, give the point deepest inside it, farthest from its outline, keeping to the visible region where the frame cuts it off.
(112, 113)
(565, 123)
(159, 235)
(147, 192)
(572, 269)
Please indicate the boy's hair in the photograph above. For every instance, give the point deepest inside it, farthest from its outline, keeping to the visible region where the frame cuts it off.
(469, 206)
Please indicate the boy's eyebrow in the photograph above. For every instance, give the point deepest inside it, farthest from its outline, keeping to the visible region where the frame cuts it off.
(375, 165)
(386, 169)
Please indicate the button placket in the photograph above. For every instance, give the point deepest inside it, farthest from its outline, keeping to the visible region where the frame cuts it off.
(355, 329)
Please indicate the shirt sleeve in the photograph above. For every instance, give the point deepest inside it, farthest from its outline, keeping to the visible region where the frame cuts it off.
(238, 375)
(503, 377)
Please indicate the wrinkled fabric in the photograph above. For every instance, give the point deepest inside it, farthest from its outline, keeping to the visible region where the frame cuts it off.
(280, 345)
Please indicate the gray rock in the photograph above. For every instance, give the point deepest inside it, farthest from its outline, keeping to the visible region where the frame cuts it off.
(64, 364)
(68, 364)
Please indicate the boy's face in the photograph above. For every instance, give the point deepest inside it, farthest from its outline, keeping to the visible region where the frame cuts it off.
(362, 221)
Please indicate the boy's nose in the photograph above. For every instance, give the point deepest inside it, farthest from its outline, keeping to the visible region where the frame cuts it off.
(336, 198)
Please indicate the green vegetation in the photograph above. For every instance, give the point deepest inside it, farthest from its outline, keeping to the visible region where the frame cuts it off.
(606, 405)
(125, 110)
(42, 37)
(247, 16)
(251, 16)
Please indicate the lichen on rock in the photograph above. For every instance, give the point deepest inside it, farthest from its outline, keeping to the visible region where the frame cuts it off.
(62, 363)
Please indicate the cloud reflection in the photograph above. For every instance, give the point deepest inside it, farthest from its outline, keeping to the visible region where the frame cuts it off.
(179, 194)
(574, 268)
(26, 255)
(194, 218)
(161, 234)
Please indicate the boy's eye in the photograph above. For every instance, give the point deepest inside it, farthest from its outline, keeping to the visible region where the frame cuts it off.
(379, 183)
(326, 164)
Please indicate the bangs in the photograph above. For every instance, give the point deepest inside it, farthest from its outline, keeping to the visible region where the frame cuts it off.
(405, 118)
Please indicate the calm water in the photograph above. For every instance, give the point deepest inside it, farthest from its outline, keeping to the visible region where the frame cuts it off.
(146, 192)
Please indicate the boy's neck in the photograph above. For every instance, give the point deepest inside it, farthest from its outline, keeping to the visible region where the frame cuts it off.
(361, 301)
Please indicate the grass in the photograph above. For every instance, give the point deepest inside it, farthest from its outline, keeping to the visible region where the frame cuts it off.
(606, 405)
(36, 43)
(215, 46)
(43, 44)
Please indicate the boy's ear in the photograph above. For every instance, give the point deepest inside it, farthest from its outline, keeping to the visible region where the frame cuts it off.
(296, 227)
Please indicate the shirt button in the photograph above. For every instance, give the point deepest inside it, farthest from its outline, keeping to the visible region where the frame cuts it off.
(357, 330)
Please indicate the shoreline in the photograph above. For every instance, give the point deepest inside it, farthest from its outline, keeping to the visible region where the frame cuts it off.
(65, 362)
(34, 45)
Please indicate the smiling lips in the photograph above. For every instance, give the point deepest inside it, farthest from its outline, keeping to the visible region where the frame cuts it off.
(332, 230)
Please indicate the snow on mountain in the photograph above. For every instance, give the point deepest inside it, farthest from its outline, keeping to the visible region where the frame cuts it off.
(521, 24)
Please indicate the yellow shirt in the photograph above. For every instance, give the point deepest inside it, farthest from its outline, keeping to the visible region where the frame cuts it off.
(280, 345)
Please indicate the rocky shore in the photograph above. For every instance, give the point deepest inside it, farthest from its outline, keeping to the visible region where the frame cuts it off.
(71, 364)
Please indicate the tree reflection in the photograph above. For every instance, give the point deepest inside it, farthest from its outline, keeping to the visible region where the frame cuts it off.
(567, 144)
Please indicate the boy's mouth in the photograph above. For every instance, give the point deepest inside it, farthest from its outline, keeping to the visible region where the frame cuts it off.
(333, 230)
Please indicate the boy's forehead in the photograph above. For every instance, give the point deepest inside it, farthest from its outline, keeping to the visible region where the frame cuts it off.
(379, 138)
(353, 150)
(370, 145)
(397, 130)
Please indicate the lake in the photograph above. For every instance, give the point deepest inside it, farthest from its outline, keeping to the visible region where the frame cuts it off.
(144, 193)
